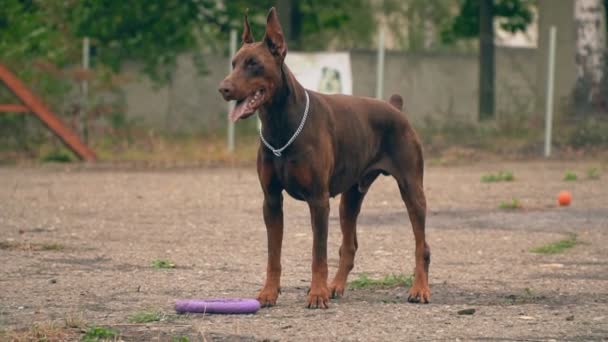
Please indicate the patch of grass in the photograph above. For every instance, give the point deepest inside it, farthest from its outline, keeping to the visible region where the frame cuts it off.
(510, 205)
(75, 321)
(57, 156)
(95, 333)
(180, 339)
(593, 173)
(556, 247)
(158, 148)
(147, 317)
(162, 263)
(528, 296)
(391, 280)
(51, 247)
(45, 331)
(501, 176)
(570, 176)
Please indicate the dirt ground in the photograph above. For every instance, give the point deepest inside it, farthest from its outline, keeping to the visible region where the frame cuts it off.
(77, 244)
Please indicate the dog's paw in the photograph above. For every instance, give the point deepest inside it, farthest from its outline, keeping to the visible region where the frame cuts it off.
(419, 294)
(268, 297)
(337, 289)
(318, 298)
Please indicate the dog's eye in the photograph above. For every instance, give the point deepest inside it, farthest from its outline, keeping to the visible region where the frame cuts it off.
(251, 62)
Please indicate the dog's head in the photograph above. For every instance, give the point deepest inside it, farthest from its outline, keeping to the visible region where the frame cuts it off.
(256, 69)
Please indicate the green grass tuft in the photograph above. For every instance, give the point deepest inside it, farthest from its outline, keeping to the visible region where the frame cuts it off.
(57, 156)
(162, 263)
(593, 173)
(180, 339)
(570, 176)
(51, 247)
(501, 176)
(556, 247)
(510, 205)
(147, 317)
(99, 334)
(391, 280)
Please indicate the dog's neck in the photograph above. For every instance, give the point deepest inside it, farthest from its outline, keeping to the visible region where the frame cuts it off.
(283, 114)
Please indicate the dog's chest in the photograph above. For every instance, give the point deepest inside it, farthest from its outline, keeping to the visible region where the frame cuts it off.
(295, 177)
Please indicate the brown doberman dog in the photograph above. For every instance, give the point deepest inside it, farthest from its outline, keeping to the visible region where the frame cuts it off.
(316, 146)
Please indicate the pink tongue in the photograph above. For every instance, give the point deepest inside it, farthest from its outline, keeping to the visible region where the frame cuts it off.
(238, 111)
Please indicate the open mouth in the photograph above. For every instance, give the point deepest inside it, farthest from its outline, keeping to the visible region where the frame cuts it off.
(247, 106)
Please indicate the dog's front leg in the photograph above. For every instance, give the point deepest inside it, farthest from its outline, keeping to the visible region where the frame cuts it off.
(318, 297)
(273, 218)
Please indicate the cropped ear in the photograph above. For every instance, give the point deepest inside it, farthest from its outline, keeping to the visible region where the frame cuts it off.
(247, 36)
(274, 38)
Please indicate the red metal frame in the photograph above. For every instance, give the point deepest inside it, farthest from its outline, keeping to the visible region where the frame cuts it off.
(32, 103)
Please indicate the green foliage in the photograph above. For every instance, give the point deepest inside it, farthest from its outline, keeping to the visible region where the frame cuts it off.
(58, 156)
(513, 16)
(570, 176)
(343, 24)
(589, 132)
(162, 264)
(180, 339)
(26, 29)
(501, 176)
(391, 280)
(510, 205)
(416, 14)
(151, 31)
(147, 317)
(557, 247)
(99, 334)
(593, 173)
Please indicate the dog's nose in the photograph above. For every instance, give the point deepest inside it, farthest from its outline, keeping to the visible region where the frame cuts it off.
(226, 89)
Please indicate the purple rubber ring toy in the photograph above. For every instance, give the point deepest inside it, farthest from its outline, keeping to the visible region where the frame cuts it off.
(218, 306)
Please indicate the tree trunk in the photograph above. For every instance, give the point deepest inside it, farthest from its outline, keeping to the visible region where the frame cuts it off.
(590, 23)
(486, 60)
(284, 8)
(290, 16)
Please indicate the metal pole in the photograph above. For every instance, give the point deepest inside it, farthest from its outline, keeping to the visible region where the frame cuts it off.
(549, 95)
(85, 89)
(380, 67)
(231, 103)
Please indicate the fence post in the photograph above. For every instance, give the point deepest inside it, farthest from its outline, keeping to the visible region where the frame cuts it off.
(380, 67)
(84, 111)
(549, 96)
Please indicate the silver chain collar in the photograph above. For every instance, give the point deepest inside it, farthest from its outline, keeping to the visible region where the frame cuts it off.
(277, 151)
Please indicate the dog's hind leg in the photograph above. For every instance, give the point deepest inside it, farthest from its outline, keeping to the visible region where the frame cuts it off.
(350, 205)
(410, 179)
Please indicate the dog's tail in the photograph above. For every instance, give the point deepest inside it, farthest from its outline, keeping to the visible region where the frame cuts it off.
(397, 101)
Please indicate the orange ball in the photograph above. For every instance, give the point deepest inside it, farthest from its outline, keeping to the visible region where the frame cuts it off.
(564, 198)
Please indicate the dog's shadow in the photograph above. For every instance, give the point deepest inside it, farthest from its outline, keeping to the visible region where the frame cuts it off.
(451, 294)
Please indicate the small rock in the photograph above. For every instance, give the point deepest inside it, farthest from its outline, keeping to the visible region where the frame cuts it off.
(53, 281)
(526, 317)
(286, 327)
(570, 318)
(466, 312)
